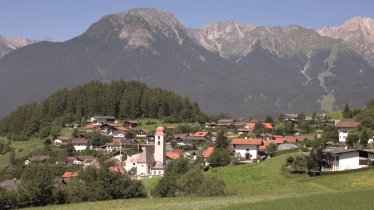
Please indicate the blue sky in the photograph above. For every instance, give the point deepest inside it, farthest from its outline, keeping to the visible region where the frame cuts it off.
(65, 19)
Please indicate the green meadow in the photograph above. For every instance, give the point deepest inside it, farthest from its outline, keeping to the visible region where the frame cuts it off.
(265, 185)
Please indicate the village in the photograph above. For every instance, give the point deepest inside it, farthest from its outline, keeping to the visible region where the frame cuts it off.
(143, 153)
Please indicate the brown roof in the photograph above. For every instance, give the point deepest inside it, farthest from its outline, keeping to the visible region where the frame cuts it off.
(181, 135)
(115, 143)
(71, 158)
(84, 157)
(89, 126)
(122, 128)
(347, 124)
(206, 153)
(246, 141)
(63, 138)
(79, 141)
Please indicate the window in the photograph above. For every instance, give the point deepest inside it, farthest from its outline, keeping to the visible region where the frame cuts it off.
(247, 149)
(158, 137)
(158, 143)
(336, 158)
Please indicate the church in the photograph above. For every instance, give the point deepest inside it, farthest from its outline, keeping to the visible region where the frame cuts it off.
(152, 159)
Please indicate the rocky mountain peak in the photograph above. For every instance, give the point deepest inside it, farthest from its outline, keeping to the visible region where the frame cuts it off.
(357, 33)
(9, 44)
(138, 27)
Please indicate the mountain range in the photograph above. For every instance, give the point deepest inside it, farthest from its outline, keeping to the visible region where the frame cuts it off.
(9, 44)
(241, 70)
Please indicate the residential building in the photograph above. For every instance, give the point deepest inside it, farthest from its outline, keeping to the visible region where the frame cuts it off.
(246, 148)
(36, 160)
(80, 144)
(101, 120)
(347, 159)
(343, 129)
(61, 141)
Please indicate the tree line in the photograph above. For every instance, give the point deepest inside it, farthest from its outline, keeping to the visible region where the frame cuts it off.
(118, 98)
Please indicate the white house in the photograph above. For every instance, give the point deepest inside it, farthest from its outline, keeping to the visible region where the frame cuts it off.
(101, 120)
(61, 141)
(344, 127)
(80, 144)
(347, 159)
(152, 159)
(246, 148)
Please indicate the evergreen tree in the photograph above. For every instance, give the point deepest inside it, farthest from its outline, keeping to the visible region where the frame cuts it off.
(221, 142)
(346, 112)
(37, 185)
(269, 119)
(121, 99)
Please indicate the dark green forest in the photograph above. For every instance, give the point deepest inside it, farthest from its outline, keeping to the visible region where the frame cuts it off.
(119, 98)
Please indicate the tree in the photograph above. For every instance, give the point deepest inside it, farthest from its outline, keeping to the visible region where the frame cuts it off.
(299, 164)
(55, 131)
(269, 119)
(301, 116)
(259, 128)
(167, 186)
(346, 112)
(330, 133)
(194, 183)
(219, 157)
(317, 160)
(184, 179)
(364, 137)
(221, 142)
(37, 185)
(70, 149)
(352, 139)
(271, 149)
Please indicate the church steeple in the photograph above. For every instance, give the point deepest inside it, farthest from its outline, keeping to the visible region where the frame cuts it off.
(160, 145)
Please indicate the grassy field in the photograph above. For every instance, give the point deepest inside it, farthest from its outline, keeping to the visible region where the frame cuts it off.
(22, 149)
(262, 186)
(67, 132)
(154, 125)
